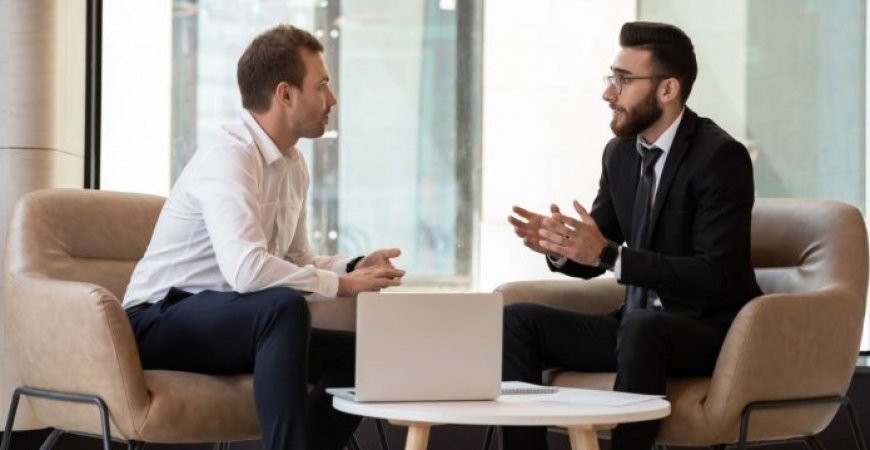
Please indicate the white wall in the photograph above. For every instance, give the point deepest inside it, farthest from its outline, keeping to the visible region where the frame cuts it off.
(137, 89)
(544, 123)
(720, 91)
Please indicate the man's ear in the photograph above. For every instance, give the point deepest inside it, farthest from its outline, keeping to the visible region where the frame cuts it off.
(669, 90)
(285, 94)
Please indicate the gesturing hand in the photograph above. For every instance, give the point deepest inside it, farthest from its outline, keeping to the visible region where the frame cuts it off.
(368, 279)
(580, 240)
(527, 226)
(379, 258)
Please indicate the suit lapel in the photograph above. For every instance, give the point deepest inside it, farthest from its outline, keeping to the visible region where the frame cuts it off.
(678, 151)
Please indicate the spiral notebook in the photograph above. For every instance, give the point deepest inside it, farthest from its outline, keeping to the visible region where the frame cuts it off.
(523, 388)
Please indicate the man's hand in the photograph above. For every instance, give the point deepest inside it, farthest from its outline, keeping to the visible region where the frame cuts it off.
(368, 279)
(580, 240)
(527, 225)
(379, 258)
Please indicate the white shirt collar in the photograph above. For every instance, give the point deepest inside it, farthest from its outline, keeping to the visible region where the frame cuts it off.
(264, 143)
(666, 140)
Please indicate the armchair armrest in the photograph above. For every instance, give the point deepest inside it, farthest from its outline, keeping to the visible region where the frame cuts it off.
(786, 346)
(75, 337)
(595, 296)
(335, 314)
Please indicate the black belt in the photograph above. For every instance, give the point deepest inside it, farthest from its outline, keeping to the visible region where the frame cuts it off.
(135, 309)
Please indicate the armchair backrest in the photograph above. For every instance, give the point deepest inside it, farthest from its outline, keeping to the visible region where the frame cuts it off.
(802, 245)
(69, 256)
(81, 235)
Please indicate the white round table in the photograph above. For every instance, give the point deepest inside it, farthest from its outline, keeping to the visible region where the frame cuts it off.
(582, 421)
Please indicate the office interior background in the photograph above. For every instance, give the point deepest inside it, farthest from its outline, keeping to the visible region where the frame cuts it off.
(449, 113)
(420, 157)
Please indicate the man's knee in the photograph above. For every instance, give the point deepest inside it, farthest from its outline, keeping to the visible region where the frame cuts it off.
(521, 313)
(640, 328)
(288, 308)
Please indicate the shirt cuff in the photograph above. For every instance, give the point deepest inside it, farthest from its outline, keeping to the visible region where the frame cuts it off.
(327, 286)
(558, 263)
(617, 265)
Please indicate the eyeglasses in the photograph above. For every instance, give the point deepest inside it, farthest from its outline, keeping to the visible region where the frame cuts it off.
(618, 81)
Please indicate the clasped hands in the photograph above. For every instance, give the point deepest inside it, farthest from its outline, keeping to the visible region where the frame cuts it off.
(558, 235)
(372, 273)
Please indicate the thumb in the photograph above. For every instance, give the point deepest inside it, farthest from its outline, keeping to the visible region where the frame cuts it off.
(390, 252)
(387, 253)
(584, 215)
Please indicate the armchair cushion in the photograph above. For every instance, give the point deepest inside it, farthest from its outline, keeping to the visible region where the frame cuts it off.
(798, 340)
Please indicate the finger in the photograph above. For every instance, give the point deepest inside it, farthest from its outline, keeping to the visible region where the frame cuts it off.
(584, 215)
(555, 226)
(524, 213)
(516, 222)
(532, 243)
(389, 252)
(394, 281)
(381, 283)
(552, 247)
(384, 272)
(556, 238)
(567, 220)
(554, 208)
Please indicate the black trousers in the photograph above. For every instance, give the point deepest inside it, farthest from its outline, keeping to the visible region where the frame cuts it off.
(269, 334)
(645, 347)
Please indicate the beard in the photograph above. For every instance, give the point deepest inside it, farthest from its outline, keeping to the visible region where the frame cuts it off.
(638, 118)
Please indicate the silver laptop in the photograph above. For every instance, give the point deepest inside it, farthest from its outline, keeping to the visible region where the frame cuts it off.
(426, 347)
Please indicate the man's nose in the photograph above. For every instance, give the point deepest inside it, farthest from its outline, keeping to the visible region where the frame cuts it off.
(609, 94)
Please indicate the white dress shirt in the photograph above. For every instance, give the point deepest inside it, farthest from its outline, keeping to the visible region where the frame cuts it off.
(235, 221)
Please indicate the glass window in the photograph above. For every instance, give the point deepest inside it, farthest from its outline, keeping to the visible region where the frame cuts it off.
(787, 78)
(396, 165)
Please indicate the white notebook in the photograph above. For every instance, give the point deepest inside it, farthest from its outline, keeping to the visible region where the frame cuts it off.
(523, 388)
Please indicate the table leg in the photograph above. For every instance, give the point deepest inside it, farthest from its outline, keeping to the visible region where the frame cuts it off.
(418, 436)
(583, 438)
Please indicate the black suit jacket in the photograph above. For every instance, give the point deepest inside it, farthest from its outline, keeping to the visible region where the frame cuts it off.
(698, 259)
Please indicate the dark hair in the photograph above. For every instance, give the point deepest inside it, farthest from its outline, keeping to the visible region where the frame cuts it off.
(672, 51)
(271, 58)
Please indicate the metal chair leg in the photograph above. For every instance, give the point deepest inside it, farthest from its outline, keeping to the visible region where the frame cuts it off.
(52, 438)
(487, 439)
(10, 420)
(60, 396)
(382, 436)
(352, 443)
(135, 445)
(811, 441)
(221, 446)
(856, 427)
(814, 443)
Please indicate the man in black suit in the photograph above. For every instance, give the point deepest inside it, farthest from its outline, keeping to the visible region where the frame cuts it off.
(672, 221)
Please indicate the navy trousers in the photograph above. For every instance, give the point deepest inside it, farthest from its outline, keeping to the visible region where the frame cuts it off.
(269, 334)
(644, 348)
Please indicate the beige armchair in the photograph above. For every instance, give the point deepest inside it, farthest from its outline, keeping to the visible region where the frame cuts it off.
(70, 254)
(790, 354)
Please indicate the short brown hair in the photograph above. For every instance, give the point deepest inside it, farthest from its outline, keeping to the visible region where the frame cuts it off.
(271, 58)
(672, 51)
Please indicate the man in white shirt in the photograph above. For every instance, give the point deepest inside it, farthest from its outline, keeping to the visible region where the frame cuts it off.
(222, 287)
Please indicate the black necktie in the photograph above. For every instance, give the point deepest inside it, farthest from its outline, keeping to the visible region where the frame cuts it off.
(636, 296)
